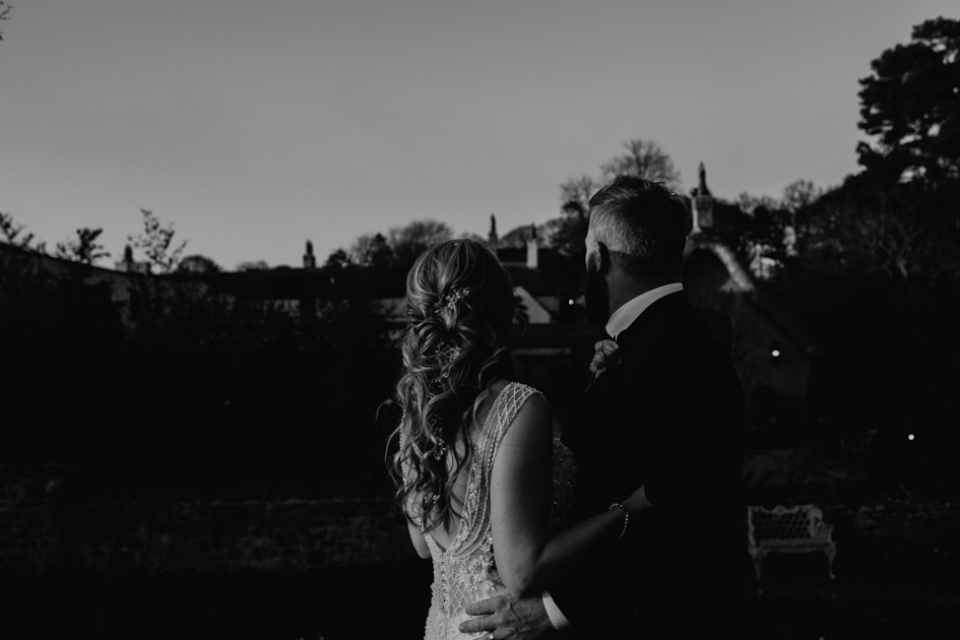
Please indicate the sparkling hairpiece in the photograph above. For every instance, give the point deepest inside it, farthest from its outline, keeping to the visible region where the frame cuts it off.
(448, 356)
(449, 302)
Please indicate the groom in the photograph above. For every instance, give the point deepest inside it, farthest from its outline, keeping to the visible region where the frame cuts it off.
(666, 413)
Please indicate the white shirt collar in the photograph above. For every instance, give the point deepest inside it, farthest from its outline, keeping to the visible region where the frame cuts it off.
(631, 310)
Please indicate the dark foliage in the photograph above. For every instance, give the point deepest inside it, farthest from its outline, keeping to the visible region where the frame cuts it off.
(876, 277)
(189, 371)
(911, 105)
(84, 249)
(4, 14)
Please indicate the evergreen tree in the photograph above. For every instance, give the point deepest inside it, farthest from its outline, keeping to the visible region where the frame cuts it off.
(911, 105)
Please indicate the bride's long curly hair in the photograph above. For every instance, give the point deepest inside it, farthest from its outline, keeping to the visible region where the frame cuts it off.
(460, 308)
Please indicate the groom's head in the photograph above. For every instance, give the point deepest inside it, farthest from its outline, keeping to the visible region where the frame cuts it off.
(635, 239)
(641, 225)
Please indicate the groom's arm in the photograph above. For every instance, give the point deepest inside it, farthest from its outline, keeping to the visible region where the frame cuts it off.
(648, 443)
(688, 405)
(603, 587)
(526, 618)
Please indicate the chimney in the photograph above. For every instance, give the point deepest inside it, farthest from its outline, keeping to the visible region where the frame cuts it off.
(309, 260)
(130, 265)
(533, 249)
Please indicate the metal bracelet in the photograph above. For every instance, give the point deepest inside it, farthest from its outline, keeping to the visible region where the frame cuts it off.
(626, 517)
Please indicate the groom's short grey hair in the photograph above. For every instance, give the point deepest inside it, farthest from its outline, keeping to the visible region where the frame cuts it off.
(643, 224)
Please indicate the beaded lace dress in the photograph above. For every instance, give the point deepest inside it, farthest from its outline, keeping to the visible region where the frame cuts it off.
(466, 571)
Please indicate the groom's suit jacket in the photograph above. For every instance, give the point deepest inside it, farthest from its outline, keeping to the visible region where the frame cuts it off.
(669, 416)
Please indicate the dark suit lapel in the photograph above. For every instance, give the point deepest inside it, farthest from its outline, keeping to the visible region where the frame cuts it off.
(635, 339)
(648, 325)
(603, 398)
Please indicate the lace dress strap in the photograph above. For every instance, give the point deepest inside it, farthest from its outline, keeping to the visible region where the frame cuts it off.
(507, 407)
(475, 527)
(466, 572)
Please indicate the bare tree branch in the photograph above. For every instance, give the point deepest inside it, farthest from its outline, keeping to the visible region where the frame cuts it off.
(4, 14)
(157, 242)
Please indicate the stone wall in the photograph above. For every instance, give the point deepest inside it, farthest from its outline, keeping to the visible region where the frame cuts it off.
(99, 519)
(913, 536)
(58, 517)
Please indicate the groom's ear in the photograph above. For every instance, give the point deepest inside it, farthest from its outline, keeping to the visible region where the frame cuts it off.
(603, 259)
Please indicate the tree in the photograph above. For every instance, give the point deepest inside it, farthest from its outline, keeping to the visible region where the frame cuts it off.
(799, 194)
(371, 250)
(198, 264)
(84, 249)
(567, 233)
(338, 260)
(518, 236)
(4, 11)
(409, 241)
(575, 194)
(773, 229)
(907, 236)
(157, 243)
(10, 233)
(911, 104)
(644, 158)
(749, 203)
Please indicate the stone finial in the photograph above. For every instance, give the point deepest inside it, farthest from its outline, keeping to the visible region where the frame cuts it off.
(493, 239)
(702, 203)
(309, 260)
(702, 189)
(128, 264)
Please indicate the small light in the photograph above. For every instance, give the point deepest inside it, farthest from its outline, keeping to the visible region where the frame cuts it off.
(910, 437)
(570, 302)
(775, 353)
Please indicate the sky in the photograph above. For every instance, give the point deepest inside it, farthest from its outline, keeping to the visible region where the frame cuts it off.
(255, 126)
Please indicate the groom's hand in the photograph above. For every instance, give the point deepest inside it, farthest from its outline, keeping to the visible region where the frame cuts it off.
(509, 617)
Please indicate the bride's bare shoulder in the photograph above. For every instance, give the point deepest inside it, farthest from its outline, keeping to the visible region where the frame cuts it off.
(489, 399)
(517, 390)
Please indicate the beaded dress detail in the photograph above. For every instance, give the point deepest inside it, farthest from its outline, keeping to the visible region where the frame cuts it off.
(466, 571)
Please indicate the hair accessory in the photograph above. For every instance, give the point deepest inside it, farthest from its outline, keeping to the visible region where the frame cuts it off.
(447, 356)
(450, 301)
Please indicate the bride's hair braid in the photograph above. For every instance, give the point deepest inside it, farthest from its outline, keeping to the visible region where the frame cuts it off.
(460, 306)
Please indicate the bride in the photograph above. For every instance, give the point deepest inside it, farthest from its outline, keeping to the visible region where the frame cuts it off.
(479, 477)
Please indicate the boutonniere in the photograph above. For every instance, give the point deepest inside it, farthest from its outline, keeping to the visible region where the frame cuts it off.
(606, 355)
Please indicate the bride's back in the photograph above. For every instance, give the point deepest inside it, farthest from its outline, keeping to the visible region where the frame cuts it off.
(465, 563)
(445, 533)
